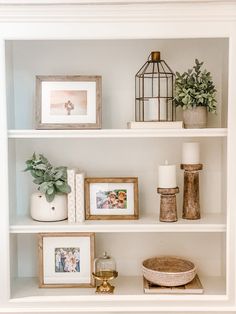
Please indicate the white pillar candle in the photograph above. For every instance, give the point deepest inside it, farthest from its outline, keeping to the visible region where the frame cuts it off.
(167, 176)
(152, 112)
(191, 153)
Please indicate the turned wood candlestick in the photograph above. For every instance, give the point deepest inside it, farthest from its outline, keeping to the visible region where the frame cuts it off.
(168, 207)
(191, 204)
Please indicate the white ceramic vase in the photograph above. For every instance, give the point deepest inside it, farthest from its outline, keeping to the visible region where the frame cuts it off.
(195, 118)
(42, 210)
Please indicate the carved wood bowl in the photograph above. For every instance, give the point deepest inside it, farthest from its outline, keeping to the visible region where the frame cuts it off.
(168, 271)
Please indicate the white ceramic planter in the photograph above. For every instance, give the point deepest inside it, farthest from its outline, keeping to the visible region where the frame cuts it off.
(42, 210)
(195, 118)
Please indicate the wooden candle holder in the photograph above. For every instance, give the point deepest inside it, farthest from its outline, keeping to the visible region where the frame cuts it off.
(168, 207)
(191, 204)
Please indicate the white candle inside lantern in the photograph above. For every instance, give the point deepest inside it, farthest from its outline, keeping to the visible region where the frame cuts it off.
(167, 176)
(152, 112)
(190, 153)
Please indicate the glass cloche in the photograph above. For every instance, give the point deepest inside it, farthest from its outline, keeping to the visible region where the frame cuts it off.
(104, 270)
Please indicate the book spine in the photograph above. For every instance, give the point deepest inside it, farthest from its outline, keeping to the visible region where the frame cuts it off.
(80, 217)
(71, 195)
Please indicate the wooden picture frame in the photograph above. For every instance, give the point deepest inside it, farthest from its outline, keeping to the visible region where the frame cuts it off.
(78, 255)
(100, 191)
(68, 102)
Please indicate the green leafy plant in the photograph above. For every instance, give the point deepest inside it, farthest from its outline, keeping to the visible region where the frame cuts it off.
(195, 88)
(51, 180)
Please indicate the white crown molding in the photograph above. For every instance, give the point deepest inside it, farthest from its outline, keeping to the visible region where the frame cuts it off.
(110, 2)
(174, 10)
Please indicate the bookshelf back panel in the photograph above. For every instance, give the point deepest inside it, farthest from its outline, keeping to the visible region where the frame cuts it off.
(122, 157)
(129, 250)
(117, 61)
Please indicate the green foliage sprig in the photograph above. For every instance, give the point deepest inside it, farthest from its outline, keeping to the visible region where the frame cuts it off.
(51, 180)
(195, 88)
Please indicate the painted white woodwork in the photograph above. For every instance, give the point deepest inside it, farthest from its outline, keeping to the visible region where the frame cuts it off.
(117, 133)
(111, 2)
(128, 288)
(148, 223)
(113, 39)
(4, 242)
(127, 298)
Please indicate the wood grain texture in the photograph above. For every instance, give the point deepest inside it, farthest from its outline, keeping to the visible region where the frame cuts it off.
(191, 167)
(168, 205)
(88, 181)
(67, 126)
(41, 236)
(168, 191)
(191, 201)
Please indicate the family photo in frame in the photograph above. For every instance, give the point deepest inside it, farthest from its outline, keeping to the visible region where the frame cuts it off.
(66, 259)
(111, 198)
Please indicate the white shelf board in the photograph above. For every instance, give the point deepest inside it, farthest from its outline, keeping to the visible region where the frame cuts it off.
(128, 288)
(208, 223)
(117, 133)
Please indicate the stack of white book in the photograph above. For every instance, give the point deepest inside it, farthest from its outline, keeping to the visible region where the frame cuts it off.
(155, 125)
(75, 179)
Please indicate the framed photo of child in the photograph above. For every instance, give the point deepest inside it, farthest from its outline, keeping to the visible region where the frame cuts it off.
(66, 260)
(111, 198)
(68, 102)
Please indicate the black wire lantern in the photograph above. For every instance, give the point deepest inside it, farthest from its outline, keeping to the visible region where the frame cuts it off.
(154, 83)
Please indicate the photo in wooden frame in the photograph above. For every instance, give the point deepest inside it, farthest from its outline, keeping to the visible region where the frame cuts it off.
(68, 102)
(66, 260)
(111, 198)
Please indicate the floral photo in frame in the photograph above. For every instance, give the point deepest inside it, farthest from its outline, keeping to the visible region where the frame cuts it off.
(111, 198)
(66, 260)
(68, 102)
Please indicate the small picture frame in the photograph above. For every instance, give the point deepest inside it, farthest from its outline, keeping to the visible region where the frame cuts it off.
(68, 102)
(66, 260)
(111, 198)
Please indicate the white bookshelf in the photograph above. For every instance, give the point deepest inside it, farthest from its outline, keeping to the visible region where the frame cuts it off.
(151, 223)
(114, 40)
(129, 288)
(117, 133)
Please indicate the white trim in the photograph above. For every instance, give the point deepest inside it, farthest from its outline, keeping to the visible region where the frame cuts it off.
(208, 223)
(164, 19)
(231, 170)
(117, 133)
(126, 296)
(110, 2)
(166, 11)
(4, 221)
(102, 2)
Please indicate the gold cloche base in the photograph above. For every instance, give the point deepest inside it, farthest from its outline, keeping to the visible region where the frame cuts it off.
(104, 276)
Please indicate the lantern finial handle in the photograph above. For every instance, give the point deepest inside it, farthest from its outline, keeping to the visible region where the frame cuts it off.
(155, 56)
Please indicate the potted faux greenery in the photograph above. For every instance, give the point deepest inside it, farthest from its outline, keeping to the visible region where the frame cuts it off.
(195, 92)
(50, 202)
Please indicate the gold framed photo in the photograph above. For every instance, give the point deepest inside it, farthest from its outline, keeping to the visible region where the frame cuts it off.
(68, 102)
(66, 260)
(111, 198)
